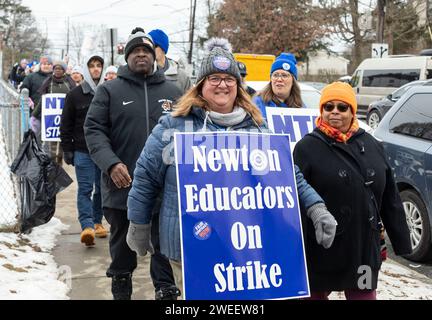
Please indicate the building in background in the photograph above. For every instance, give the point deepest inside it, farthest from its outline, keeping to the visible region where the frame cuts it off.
(323, 67)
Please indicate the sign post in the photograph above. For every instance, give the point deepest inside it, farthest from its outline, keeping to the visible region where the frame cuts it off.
(379, 50)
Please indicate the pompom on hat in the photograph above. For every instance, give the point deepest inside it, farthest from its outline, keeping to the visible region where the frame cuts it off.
(219, 59)
(338, 91)
(287, 62)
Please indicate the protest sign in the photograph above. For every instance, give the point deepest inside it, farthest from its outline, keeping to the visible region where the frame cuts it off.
(241, 231)
(52, 107)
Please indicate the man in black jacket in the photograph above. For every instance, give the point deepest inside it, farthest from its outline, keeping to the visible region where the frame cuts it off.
(75, 151)
(120, 119)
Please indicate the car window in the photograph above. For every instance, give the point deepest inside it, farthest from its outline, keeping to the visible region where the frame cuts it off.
(414, 118)
(310, 99)
(355, 79)
(399, 92)
(389, 78)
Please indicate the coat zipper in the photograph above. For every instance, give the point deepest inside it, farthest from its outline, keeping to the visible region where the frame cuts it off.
(147, 110)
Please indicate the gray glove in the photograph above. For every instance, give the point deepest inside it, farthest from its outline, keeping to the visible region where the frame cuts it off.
(324, 223)
(139, 238)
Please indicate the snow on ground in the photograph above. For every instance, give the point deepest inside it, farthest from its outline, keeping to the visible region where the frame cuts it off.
(27, 268)
(396, 282)
(8, 203)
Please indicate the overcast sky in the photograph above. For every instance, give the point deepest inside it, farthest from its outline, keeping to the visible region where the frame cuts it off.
(170, 16)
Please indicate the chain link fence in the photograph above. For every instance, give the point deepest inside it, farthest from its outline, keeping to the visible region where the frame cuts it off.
(14, 115)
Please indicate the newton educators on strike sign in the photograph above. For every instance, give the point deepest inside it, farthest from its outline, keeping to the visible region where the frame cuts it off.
(52, 107)
(241, 232)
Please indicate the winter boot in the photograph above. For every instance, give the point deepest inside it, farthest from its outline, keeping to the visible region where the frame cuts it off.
(100, 231)
(167, 293)
(121, 287)
(88, 236)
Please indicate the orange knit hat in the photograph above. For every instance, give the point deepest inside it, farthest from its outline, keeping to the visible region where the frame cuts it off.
(338, 91)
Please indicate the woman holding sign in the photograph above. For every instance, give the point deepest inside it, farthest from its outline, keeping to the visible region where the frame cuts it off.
(217, 102)
(283, 90)
(348, 168)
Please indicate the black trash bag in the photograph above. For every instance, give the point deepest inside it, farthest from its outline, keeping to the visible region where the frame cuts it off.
(41, 179)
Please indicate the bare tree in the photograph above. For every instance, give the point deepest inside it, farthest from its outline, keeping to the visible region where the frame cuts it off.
(261, 26)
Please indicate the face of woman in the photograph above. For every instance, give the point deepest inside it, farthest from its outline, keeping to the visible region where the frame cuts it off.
(281, 82)
(338, 114)
(220, 91)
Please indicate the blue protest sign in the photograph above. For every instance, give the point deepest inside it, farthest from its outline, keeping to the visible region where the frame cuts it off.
(52, 107)
(241, 231)
(296, 122)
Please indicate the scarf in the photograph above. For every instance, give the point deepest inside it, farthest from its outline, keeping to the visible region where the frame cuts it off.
(334, 133)
(228, 119)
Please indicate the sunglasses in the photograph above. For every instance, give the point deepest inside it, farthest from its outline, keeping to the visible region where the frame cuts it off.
(342, 107)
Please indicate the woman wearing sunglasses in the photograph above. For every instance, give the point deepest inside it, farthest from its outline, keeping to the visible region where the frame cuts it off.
(348, 168)
(282, 90)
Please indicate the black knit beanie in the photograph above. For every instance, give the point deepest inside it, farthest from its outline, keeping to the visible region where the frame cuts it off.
(139, 38)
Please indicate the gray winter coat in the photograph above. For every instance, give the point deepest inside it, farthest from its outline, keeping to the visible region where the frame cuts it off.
(178, 76)
(153, 176)
(120, 118)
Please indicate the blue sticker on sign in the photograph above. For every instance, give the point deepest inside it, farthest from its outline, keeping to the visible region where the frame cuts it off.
(221, 63)
(202, 230)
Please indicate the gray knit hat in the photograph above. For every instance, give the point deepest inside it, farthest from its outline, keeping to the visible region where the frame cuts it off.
(219, 59)
(139, 38)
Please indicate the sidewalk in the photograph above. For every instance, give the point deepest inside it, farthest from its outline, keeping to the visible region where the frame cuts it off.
(88, 265)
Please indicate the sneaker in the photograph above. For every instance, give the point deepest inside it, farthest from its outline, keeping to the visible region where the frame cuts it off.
(88, 236)
(100, 231)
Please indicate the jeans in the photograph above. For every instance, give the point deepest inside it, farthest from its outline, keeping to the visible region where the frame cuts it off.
(88, 177)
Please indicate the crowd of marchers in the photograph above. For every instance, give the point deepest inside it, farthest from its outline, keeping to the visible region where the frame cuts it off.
(114, 129)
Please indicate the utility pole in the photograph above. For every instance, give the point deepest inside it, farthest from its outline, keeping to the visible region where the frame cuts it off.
(191, 30)
(67, 38)
(112, 45)
(380, 20)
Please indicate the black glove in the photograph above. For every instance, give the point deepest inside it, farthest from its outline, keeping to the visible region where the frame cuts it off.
(68, 157)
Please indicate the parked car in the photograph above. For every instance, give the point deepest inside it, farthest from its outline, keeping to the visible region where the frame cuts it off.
(316, 85)
(406, 134)
(376, 78)
(378, 109)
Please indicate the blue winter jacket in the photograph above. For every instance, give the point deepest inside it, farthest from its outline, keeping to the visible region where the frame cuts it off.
(152, 176)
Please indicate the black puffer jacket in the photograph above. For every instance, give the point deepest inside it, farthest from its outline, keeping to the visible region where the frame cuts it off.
(349, 188)
(121, 117)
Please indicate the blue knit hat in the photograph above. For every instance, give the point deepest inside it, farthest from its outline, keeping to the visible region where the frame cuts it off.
(160, 39)
(287, 62)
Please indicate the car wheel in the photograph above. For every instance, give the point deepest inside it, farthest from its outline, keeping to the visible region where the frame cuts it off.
(373, 119)
(418, 225)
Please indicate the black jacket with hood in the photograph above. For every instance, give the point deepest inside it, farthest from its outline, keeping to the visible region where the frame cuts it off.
(119, 121)
(75, 109)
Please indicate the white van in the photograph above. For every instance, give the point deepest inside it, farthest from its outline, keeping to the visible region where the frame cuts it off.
(375, 78)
